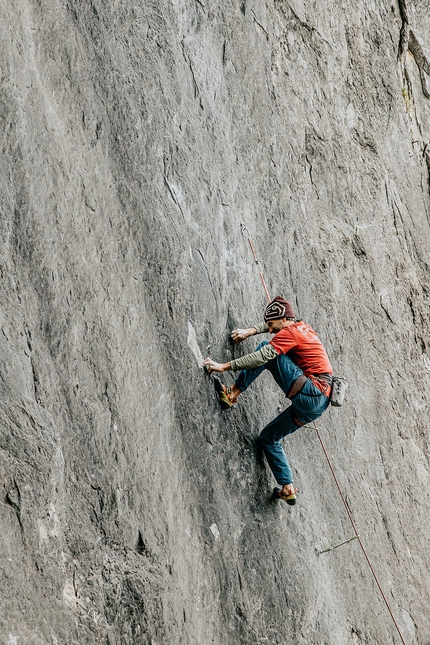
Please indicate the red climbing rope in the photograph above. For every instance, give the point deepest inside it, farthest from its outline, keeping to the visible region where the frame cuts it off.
(351, 519)
(247, 235)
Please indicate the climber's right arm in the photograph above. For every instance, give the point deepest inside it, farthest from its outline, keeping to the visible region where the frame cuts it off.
(238, 335)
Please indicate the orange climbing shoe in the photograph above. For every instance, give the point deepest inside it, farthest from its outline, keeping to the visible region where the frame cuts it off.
(222, 393)
(290, 499)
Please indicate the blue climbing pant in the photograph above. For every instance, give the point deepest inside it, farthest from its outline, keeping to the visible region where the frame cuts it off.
(307, 406)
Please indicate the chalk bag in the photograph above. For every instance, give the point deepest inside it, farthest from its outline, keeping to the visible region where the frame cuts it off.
(338, 390)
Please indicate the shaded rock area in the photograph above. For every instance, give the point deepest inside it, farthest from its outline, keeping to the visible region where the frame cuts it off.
(136, 137)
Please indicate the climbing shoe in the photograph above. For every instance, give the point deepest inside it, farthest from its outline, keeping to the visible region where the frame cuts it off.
(222, 392)
(290, 499)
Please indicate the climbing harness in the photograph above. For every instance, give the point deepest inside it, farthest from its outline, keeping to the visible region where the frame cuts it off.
(247, 235)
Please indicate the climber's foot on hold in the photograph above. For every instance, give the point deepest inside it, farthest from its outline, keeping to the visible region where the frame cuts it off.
(227, 396)
(287, 493)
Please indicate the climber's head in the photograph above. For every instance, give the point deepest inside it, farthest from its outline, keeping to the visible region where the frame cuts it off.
(277, 309)
(278, 314)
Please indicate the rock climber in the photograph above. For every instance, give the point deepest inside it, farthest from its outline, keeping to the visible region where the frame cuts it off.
(300, 366)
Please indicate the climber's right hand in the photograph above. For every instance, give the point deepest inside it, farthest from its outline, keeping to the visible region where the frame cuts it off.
(238, 335)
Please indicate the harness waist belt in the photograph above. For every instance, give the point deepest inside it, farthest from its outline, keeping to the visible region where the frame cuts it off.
(297, 386)
(323, 378)
(328, 378)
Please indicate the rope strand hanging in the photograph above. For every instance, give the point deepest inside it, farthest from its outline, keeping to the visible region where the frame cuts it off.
(247, 235)
(351, 519)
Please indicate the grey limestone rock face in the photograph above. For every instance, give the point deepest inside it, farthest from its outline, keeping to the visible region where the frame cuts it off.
(136, 137)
